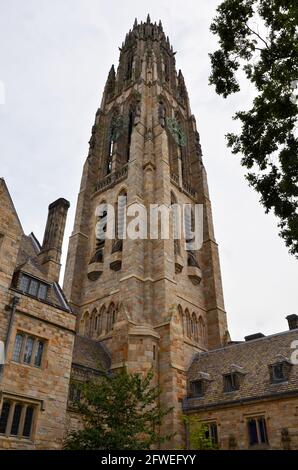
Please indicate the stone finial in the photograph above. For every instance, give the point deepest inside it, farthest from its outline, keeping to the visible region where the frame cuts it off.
(148, 19)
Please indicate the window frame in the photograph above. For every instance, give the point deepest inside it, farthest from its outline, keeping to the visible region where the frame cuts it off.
(234, 383)
(40, 285)
(285, 369)
(36, 341)
(20, 422)
(193, 385)
(257, 419)
(214, 436)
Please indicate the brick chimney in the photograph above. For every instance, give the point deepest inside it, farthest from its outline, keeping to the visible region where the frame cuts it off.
(292, 321)
(50, 254)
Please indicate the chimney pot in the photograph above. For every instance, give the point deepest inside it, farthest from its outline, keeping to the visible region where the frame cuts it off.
(292, 321)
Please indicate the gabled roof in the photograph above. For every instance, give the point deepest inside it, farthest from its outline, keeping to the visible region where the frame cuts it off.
(4, 190)
(253, 359)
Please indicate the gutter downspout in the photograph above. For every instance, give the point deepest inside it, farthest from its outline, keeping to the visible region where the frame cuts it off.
(15, 301)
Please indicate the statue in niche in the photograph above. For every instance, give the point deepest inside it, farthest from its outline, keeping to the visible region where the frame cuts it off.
(162, 114)
(176, 131)
(138, 111)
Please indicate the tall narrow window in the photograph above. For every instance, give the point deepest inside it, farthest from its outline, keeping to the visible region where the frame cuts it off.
(202, 331)
(111, 317)
(4, 416)
(110, 154)
(28, 350)
(130, 128)
(188, 325)
(16, 420)
(38, 353)
(34, 285)
(28, 421)
(102, 315)
(176, 224)
(257, 431)
(17, 347)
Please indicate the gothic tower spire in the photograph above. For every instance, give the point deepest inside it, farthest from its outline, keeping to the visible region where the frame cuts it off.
(158, 303)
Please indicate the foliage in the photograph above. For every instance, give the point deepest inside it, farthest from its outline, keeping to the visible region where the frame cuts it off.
(119, 411)
(199, 438)
(260, 37)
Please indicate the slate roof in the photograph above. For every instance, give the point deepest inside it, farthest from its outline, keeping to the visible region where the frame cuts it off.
(252, 359)
(90, 354)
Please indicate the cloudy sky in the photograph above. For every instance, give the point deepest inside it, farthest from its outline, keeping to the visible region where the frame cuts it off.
(54, 59)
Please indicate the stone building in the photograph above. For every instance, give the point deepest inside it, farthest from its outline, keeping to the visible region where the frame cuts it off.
(37, 327)
(140, 304)
(149, 301)
(246, 393)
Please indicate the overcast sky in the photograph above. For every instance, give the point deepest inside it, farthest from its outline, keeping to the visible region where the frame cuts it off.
(54, 60)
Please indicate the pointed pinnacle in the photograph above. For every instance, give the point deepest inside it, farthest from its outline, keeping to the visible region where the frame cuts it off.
(148, 19)
(135, 23)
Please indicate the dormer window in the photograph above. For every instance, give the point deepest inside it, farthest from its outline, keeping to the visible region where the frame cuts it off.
(197, 388)
(280, 371)
(34, 287)
(231, 382)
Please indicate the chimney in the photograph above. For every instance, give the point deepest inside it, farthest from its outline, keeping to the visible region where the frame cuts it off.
(254, 336)
(292, 321)
(50, 253)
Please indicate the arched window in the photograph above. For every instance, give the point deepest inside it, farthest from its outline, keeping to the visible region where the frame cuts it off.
(181, 317)
(202, 329)
(189, 228)
(111, 140)
(188, 325)
(101, 318)
(130, 128)
(194, 327)
(85, 324)
(93, 322)
(120, 221)
(111, 317)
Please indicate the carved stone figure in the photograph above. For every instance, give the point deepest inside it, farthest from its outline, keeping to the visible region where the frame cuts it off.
(162, 114)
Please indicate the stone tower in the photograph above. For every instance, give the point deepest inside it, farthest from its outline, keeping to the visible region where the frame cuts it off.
(153, 304)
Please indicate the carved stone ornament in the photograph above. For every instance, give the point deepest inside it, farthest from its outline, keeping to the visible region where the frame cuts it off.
(118, 126)
(176, 131)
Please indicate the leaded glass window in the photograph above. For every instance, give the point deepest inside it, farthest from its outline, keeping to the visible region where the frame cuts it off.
(17, 347)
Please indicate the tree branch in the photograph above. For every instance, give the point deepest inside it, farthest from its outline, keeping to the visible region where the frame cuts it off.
(257, 34)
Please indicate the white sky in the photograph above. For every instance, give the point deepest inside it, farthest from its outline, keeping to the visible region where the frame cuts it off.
(54, 60)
